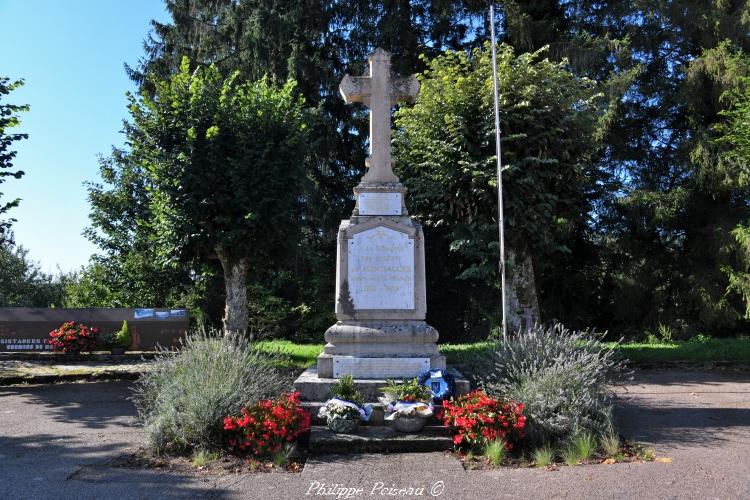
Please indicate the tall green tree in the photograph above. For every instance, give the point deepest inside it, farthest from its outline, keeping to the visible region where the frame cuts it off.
(225, 163)
(445, 149)
(8, 120)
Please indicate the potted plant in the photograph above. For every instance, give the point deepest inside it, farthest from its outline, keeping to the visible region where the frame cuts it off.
(346, 408)
(408, 404)
(118, 341)
(72, 338)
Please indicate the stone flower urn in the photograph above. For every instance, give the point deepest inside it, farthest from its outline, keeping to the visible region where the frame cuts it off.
(408, 423)
(342, 425)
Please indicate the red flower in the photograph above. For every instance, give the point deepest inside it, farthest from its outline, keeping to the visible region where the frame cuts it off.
(267, 425)
(476, 417)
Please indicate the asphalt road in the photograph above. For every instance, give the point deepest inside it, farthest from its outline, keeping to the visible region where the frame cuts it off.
(56, 441)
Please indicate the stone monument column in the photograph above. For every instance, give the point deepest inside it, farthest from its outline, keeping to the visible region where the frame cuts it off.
(381, 299)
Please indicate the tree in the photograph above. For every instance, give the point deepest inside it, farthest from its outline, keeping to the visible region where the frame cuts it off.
(552, 126)
(23, 284)
(8, 120)
(732, 164)
(225, 165)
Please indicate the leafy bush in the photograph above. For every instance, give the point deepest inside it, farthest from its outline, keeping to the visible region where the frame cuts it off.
(559, 375)
(72, 337)
(182, 402)
(477, 418)
(267, 425)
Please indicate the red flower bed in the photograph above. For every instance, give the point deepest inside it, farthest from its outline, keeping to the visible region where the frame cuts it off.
(477, 418)
(74, 337)
(266, 426)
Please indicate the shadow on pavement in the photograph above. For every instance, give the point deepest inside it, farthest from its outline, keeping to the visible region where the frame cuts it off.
(93, 405)
(679, 408)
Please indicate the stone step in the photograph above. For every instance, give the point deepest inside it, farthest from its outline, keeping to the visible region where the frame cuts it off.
(379, 439)
(377, 417)
(312, 388)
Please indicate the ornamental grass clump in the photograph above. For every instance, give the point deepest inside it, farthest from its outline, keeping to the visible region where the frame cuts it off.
(183, 400)
(561, 377)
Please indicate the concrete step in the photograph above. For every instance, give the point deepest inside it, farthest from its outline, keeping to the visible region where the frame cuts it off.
(312, 388)
(379, 439)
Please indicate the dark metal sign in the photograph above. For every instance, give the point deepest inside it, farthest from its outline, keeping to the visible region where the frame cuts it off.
(27, 328)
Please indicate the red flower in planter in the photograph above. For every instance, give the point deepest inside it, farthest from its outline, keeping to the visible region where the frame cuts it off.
(73, 337)
(477, 417)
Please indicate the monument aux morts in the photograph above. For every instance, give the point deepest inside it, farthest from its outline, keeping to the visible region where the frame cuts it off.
(381, 301)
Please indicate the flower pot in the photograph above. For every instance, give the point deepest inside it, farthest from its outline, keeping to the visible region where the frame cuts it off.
(342, 425)
(408, 423)
(117, 350)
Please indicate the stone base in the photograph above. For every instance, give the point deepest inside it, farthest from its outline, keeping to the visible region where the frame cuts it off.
(390, 368)
(314, 388)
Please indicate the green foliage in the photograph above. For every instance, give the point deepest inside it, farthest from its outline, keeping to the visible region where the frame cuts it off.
(561, 376)
(445, 150)
(407, 390)
(570, 455)
(610, 443)
(225, 161)
(495, 451)
(22, 282)
(585, 444)
(344, 388)
(8, 120)
(543, 456)
(123, 337)
(182, 401)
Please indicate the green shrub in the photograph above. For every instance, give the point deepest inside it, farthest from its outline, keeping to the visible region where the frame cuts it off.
(560, 376)
(122, 337)
(182, 401)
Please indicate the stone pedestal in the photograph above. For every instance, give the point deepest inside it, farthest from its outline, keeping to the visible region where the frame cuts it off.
(381, 300)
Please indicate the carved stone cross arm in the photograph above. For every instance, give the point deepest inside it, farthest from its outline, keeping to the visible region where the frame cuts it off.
(379, 90)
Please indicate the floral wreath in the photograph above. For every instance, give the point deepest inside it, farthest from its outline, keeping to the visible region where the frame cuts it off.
(441, 382)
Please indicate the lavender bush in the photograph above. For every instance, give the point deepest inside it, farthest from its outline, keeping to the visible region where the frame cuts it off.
(183, 400)
(560, 375)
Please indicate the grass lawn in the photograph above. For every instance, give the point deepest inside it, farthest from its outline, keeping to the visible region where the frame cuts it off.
(700, 349)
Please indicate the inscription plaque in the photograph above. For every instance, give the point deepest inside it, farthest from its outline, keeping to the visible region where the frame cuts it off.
(379, 203)
(379, 368)
(381, 269)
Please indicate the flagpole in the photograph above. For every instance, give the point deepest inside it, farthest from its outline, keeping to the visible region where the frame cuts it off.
(499, 155)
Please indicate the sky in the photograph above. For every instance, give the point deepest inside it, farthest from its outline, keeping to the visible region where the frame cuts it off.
(71, 55)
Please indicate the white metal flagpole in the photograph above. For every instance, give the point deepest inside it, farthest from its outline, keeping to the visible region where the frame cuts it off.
(499, 154)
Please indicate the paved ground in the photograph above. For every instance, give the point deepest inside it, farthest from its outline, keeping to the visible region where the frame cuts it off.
(56, 441)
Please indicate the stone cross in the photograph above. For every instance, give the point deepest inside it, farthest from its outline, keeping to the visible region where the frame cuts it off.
(379, 90)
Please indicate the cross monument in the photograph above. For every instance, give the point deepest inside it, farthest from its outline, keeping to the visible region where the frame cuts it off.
(381, 298)
(379, 90)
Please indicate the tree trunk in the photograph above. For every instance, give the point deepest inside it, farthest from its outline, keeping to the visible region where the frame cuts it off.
(235, 284)
(522, 306)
